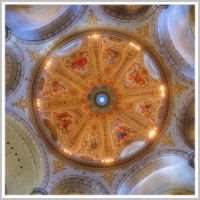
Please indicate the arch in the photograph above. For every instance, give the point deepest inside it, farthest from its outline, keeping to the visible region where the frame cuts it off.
(26, 163)
(13, 68)
(128, 12)
(178, 51)
(160, 173)
(29, 23)
(185, 121)
(78, 185)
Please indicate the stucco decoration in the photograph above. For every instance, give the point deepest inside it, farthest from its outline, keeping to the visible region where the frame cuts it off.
(24, 162)
(99, 97)
(78, 185)
(128, 12)
(13, 68)
(37, 22)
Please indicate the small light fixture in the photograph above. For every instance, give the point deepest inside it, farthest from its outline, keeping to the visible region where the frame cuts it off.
(67, 151)
(47, 64)
(162, 88)
(152, 133)
(38, 103)
(95, 36)
(107, 160)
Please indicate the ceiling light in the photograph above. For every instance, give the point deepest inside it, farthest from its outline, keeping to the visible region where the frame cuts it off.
(38, 103)
(162, 88)
(152, 133)
(95, 36)
(47, 64)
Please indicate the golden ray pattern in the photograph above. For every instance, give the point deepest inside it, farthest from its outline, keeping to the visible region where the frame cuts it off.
(99, 98)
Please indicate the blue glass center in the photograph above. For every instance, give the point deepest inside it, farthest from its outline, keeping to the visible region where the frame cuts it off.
(102, 99)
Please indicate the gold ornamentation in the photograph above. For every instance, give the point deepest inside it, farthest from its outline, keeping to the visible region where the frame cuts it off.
(178, 89)
(58, 166)
(21, 103)
(167, 140)
(92, 20)
(84, 82)
(109, 177)
(33, 54)
(143, 31)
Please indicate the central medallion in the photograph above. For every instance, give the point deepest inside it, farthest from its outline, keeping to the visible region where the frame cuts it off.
(101, 98)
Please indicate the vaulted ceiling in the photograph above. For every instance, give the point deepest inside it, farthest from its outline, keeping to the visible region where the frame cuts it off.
(99, 99)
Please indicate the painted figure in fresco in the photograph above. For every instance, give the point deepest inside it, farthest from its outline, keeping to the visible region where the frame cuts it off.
(122, 136)
(111, 55)
(79, 61)
(146, 109)
(90, 142)
(57, 89)
(137, 76)
(63, 121)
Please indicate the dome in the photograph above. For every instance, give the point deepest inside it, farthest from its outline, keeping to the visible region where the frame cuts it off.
(97, 92)
(27, 22)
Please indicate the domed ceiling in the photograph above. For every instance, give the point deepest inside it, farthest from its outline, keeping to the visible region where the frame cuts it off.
(99, 98)
(27, 22)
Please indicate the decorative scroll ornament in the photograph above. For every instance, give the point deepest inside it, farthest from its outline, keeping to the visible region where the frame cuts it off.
(34, 55)
(21, 103)
(58, 166)
(178, 89)
(92, 19)
(167, 140)
(109, 177)
(143, 31)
